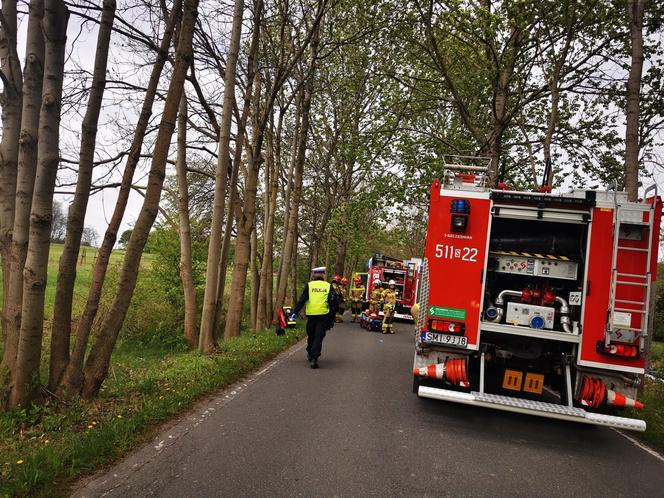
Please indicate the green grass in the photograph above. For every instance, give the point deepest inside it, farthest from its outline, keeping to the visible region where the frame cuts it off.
(653, 414)
(45, 448)
(653, 398)
(42, 450)
(657, 358)
(84, 267)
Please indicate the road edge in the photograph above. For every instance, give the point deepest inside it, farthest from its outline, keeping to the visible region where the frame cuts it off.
(163, 435)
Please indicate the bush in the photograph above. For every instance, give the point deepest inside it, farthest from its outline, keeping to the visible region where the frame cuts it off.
(156, 313)
(151, 318)
(658, 326)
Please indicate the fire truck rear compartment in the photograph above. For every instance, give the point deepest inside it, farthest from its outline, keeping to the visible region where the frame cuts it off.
(535, 274)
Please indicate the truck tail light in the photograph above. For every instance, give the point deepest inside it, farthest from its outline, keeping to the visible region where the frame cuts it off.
(622, 350)
(446, 327)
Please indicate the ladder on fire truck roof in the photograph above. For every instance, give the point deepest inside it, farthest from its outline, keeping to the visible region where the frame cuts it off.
(631, 214)
(466, 172)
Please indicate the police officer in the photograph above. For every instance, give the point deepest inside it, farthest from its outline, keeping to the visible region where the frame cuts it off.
(321, 305)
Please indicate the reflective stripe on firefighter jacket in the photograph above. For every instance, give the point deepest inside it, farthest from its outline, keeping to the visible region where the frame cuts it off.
(376, 295)
(390, 299)
(317, 302)
(357, 293)
(390, 296)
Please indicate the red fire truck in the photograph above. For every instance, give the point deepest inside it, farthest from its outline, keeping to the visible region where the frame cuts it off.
(534, 302)
(404, 272)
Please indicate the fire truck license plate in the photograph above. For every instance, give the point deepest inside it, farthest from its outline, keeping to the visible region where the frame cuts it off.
(445, 339)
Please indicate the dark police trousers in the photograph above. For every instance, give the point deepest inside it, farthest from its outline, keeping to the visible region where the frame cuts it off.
(317, 325)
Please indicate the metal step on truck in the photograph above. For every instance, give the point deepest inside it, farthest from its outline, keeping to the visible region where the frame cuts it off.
(536, 302)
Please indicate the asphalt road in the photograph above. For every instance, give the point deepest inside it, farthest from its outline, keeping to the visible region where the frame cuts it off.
(354, 428)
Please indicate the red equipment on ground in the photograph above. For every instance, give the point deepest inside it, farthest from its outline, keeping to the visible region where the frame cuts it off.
(371, 322)
(283, 320)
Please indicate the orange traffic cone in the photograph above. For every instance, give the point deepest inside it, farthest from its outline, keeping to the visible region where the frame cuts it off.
(433, 371)
(453, 371)
(619, 399)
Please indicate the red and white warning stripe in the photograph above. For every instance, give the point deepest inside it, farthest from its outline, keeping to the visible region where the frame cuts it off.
(619, 399)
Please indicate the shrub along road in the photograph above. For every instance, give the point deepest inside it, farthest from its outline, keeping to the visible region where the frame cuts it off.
(353, 427)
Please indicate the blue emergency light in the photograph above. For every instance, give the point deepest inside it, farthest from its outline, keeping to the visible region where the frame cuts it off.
(460, 209)
(460, 206)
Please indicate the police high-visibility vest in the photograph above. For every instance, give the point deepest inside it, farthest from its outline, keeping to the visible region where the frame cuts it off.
(317, 302)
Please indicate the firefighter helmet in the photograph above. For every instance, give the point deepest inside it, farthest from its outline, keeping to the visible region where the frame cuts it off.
(357, 280)
(336, 279)
(392, 282)
(344, 281)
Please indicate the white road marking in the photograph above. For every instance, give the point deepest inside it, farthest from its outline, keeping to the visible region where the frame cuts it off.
(640, 445)
(199, 414)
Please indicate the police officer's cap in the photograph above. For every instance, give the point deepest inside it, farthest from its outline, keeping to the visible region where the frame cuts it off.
(319, 270)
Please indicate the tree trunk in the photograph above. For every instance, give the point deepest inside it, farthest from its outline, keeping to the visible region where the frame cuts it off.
(264, 315)
(255, 277)
(340, 260)
(27, 166)
(241, 260)
(635, 10)
(228, 229)
(293, 273)
(10, 102)
(276, 161)
(252, 67)
(61, 331)
(245, 224)
(96, 367)
(206, 340)
(26, 387)
(287, 194)
(290, 235)
(73, 377)
(186, 266)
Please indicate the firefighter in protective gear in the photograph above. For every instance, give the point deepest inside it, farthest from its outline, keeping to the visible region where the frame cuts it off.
(376, 298)
(344, 294)
(337, 287)
(357, 296)
(321, 305)
(389, 303)
(415, 312)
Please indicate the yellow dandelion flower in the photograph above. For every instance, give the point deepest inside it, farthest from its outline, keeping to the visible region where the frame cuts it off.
(19, 462)
(119, 416)
(91, 426)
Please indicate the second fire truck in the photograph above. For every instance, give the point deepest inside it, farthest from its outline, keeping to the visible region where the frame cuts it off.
(404, 272)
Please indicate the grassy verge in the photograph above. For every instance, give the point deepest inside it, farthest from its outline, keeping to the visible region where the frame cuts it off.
(653, 398)
(653, 414)
(44, 449)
